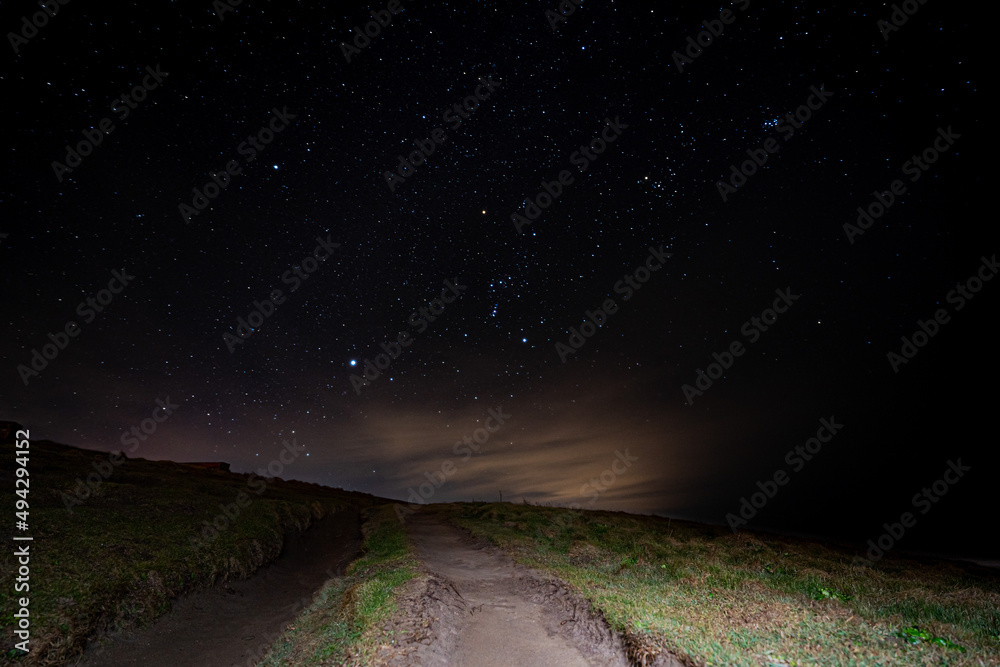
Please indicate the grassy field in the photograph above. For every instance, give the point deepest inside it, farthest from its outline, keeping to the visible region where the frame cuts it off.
(717, 598)
(341, 627)
(707, 595)
(138, 540)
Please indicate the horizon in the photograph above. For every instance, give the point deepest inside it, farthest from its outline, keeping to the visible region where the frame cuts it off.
(842, 540)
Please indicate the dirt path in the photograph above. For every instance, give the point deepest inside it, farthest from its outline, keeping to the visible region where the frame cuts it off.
(480, 609)
(233, 624)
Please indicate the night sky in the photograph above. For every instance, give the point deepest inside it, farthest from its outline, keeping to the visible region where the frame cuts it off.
(641, 229)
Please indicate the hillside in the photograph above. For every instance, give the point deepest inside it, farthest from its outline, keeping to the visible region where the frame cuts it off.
(110, 553)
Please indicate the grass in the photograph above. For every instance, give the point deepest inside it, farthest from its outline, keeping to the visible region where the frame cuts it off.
(119, 558)
(705, 594)
(713, 597)
(341, 627)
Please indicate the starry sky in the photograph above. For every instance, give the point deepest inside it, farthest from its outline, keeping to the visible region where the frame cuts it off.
(312, 133)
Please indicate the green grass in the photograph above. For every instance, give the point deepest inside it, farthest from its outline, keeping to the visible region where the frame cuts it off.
(119, 558)
(710, 596)
(713, 597)
(341, 627)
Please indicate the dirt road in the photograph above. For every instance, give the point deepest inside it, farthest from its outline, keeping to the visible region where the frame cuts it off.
(481, 609)
(234, 623)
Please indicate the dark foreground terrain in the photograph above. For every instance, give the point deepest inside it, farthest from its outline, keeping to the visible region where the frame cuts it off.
(234, 623)
(141, 538)
(308, 575)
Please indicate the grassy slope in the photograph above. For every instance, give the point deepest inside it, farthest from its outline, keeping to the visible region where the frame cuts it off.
(718, 598)
(341, 627)
(125, 552)
(708, 595)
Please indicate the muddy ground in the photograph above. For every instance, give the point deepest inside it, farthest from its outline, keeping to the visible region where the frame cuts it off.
(234, 623)
(472, 606)
(475, 606)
